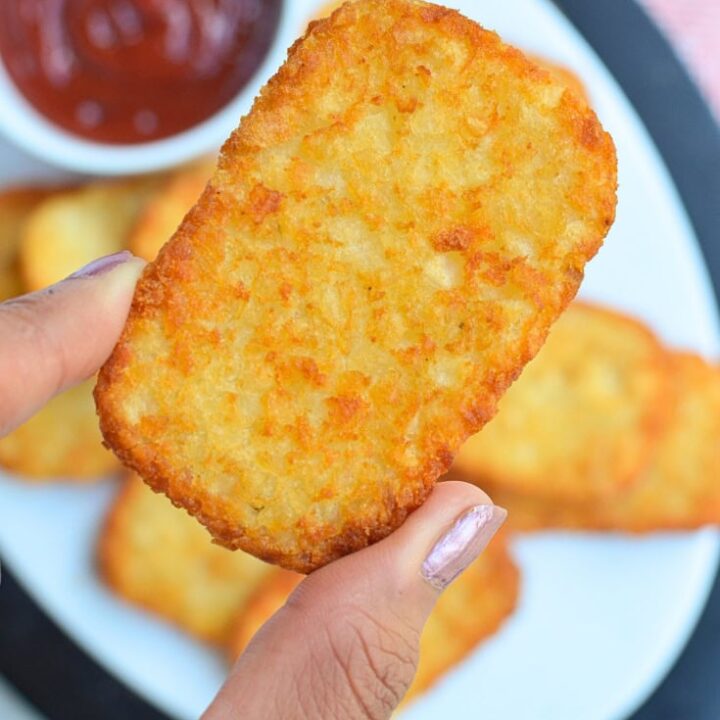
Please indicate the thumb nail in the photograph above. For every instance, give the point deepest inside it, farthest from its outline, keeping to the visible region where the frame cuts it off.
(103, 265)
(461, 544)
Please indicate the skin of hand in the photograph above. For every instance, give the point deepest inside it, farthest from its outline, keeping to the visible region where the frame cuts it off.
(345, 645)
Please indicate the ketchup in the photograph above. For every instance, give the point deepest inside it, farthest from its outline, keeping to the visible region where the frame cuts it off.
(130, 71)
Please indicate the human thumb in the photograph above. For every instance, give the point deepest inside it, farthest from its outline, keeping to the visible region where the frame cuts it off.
(57, 337)
(345, 645)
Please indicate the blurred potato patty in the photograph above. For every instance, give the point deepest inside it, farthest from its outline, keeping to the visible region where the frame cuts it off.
(565, 75)
(584, 417)
(16, 205)
(72, 228)
(388, 237)
(154, 555)
(680, 490)
(61, 441)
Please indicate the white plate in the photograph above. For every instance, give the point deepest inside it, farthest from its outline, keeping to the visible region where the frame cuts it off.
(601, 618)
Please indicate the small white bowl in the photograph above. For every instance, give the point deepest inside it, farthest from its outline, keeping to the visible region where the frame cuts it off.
(23, 125)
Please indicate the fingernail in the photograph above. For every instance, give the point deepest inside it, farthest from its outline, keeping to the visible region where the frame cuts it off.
(461, 544)
(103, 265)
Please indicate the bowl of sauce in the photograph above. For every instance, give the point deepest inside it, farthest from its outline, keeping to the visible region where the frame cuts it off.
(127, 86)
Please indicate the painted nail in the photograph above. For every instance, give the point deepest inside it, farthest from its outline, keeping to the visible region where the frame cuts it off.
(461, 544)
(103, 265)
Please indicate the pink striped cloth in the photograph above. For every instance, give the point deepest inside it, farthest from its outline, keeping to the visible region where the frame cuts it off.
(693, 27)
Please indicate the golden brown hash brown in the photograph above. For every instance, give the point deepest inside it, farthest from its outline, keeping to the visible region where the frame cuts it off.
(166, 209)
(154, 555)
(389, 235)
(16, 204)
(584, 417)
(70, 229)
(472, 609)
(61, 441)
(681, 488)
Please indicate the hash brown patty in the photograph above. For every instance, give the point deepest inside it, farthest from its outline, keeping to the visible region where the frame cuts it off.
(388, 237)
(584, 418)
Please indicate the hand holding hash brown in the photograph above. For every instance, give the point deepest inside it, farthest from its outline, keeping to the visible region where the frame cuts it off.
(680, 490)
(388, 237)
(470, 610)
(154, 555)
(582, 421)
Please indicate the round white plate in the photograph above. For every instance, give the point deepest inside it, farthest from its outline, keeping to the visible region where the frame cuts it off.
(601, 618)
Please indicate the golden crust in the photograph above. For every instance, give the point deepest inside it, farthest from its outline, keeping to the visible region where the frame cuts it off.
(61, 441)
(165, 211)
(155, 556)
(560, 72)
(72, 228)
(389, 235)
(16, 204)
(584, 418)
(564, 75)
(680, 489)
(472, 609)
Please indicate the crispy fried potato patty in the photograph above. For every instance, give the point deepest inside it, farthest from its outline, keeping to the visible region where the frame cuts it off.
(70, 229)
(584, 417)
(165, 211)
(388, 237)
(472, 609)
(61, 441)
(154, 555)
(681, 488)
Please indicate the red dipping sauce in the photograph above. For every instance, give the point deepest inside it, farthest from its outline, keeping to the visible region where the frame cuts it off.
(131, 71)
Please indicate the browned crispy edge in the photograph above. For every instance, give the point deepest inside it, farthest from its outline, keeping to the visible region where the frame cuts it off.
(159, 474)
(563, 74)
(161, 478)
